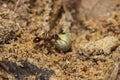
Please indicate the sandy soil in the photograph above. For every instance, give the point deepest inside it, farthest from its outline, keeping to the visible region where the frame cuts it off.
(94, 28)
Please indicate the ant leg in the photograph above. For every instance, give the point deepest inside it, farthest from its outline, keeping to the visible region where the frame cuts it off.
(51, 47)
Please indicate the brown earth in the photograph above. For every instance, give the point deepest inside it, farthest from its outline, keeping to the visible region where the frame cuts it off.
(94, 27)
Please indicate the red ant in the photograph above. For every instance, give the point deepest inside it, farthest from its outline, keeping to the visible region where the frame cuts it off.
(61, 41)
(38, 39)
(48, 42)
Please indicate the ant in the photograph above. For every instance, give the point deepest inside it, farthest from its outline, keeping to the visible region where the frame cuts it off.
(62, 41)
(48, 42)
(38, 39)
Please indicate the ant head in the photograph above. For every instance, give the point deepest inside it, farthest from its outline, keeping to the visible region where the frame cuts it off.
(36, 39)
(55, 36)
